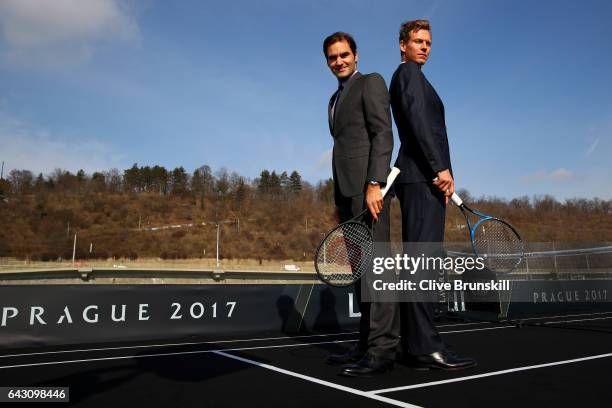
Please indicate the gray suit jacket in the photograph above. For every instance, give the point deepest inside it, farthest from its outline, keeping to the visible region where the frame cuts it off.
(361, 128)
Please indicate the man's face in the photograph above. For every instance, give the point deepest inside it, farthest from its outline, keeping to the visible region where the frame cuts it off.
(341, 60)
(417, 48)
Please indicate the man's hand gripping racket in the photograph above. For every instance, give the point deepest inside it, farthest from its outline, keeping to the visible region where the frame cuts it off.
(345, 253)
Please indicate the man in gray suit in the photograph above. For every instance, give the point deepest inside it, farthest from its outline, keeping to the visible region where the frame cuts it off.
(360, 124)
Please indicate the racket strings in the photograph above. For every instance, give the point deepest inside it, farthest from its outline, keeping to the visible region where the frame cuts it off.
(345, 254)
(499, 244)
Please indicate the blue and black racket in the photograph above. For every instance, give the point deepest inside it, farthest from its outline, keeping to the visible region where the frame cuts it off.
(494, 240)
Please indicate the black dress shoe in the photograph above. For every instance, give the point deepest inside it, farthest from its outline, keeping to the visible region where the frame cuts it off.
(443, 360)
(353, 355)
(368, 366)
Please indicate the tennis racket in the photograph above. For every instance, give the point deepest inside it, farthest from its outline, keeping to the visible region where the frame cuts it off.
(345, 254)
(494, 240)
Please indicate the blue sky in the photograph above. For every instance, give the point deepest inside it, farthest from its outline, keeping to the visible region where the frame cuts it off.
(108, 83)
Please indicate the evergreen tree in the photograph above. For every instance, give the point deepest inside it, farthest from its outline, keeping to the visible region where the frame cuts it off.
(295, 182)
(39, 184)
(131, 179)
(263, 186)
(222, 184)
(198, 187)
(240, 192)
(325, 190)
(197, 182)
(97, 182)
(275, 185)
(146, 178)
(81, 176)
(159, 175)
(180, 181)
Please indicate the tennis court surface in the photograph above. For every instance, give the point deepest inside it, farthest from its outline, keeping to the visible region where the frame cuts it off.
(559, 361)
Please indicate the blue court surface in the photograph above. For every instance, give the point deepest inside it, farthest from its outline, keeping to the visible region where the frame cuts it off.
(560, 361)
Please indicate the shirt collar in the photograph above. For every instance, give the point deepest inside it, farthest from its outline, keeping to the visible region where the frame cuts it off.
(418, 65)
(347, 80)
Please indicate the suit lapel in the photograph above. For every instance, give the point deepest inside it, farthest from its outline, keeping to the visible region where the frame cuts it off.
(345, 92)
(329, 113)
(435, 94)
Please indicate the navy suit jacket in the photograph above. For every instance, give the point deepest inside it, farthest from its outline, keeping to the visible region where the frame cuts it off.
(419, 116)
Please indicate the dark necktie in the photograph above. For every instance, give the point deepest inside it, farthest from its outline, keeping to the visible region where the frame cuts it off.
(340, 88)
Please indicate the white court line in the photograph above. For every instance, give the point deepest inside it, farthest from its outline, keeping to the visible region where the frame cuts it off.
(286, 345)
(209, 351)
(255, 339)
(567, 315)
(171, 345)
(473, 330)
(490, 374)
(462, 324)
(227, 341)
(529, 318)
(213, 342)
(178, 353)
(578, 320)
(320, 382)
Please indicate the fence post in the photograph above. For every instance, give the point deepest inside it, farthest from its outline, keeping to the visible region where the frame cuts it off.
(554, 258)
(587, 261)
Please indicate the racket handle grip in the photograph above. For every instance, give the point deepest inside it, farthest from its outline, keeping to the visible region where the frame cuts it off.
(457, 200)
(390, 179)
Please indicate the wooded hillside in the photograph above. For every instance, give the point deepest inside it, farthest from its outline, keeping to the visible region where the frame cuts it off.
(155, 212)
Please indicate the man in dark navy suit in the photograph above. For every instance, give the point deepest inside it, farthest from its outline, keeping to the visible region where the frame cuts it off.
(360, 124)
(423, 186)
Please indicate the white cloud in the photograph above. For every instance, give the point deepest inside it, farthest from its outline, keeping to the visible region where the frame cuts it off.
(555, 175)
(60, 32)
(591, 148)
(325, 161)
(25, 147)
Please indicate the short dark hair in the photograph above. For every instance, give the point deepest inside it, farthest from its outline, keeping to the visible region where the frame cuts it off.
(414, 25)
(339, 36)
